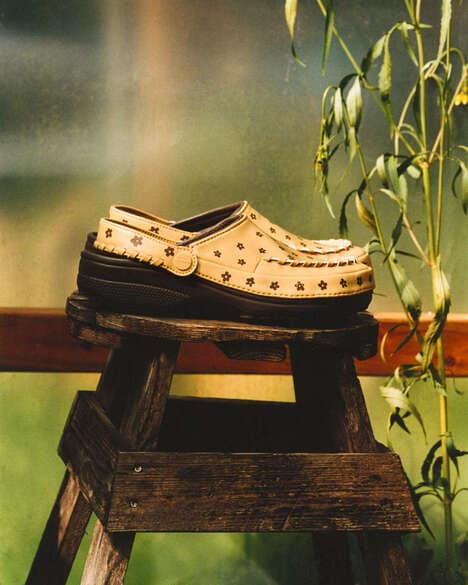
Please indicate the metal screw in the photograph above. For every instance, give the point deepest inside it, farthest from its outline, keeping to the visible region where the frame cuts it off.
(138, 469)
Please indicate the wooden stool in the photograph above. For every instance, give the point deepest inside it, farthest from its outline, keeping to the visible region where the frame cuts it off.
(142, 462)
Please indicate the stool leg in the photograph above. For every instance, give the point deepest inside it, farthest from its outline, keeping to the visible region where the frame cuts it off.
(327, 382)
(149, 369)
(62, 536)
(332, 551)
(71, 512)
(108, 557)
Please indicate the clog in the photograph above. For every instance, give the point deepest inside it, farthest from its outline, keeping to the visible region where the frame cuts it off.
(227, 267)
(335, 250)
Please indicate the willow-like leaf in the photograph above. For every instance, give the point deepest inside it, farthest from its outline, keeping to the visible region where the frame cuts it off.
(353, 102)
(338, 108)
(329, 23)
(392, 174)
(343, 226)
(372, 55)
(404, 28)
(414, 172)
(407, 254)
(427, 463)
(408, 293)
(396, 418)
(396, 233)
(437, 471)
(290, 13)
(396, 398)
(441, 291)
(382, 171)
(385, 73)
(461, 178)
(385, 337)
(365, 214)
(445, 18)
(418, 509)
(406, 339)
(351, 142)
(454, 453)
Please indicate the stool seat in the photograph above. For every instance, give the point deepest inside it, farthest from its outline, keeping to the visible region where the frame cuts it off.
(142, 461)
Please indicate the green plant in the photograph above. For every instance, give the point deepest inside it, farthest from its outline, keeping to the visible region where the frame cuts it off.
(419, 158)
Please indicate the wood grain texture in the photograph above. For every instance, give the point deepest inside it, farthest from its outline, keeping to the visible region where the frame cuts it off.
(89, 446)
(314, 399)
(108, 558)
(62, 536)
(259, 493)
(146, 371)
(38, 340)
(339, 394)
(159, 491)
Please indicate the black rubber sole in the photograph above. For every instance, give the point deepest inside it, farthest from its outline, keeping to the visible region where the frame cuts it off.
(127, 285)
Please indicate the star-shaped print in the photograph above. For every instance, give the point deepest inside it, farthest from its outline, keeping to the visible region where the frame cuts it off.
(299, 285)
(250, 281)
(240, 245)
(137, 240)
(154, 229)
(274, 285)
(359, 280)
(272, 230)
(262, 250)
(217, 253)
(184, 238)
(226, 276)
(322, 285)
(241, 261)
(343, 283)
(253, 216)
(259, 234)
(169, 251)
(108, 233)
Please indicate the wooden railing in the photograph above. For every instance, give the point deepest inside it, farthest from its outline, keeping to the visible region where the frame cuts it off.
(37, 340)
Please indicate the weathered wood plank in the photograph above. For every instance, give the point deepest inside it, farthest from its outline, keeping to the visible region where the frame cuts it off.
(314, 399)
(147, 370)
(259, 492)
(89, 446)
(61, 537)
(108, 558)
(248, 490)
(338, 391)
(356, 332)
(37, 340)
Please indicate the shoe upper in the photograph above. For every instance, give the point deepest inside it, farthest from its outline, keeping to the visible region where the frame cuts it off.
(334, 249)
(230, 248)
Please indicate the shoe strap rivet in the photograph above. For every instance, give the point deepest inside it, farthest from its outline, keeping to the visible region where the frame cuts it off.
(183, 260)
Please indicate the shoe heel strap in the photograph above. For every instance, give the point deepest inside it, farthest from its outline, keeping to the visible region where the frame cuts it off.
(147, 222)
(120, 239)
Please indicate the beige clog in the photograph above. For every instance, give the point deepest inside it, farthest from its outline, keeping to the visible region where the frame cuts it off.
(333, 250)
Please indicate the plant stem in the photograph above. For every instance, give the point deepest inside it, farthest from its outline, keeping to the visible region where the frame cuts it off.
(444, 434)
(413, 236)
(433, 255)
(440, 185)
